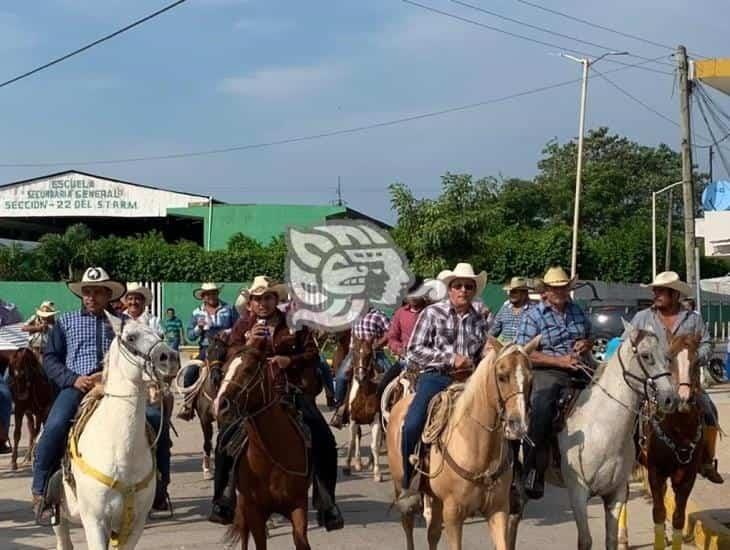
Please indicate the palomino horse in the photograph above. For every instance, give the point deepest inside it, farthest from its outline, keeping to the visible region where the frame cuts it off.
(470, 463)
(673, 447)
(364, 407)
(32, 397)
(113, 462)
(596, 445)
(274, 471)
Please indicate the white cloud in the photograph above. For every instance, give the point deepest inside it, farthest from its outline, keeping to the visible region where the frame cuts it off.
(281, 82)
(263, 26)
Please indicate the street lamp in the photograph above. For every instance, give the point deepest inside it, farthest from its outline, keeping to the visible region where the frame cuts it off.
(653, 224)
(586, 62)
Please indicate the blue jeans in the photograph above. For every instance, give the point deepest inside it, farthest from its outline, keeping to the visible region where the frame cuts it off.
(52, 442)
(327, 380)
(344, 374)
(6, 403)
(712, 417)
(429, 384)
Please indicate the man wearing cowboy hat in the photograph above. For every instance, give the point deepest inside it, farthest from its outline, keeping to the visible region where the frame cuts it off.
(667, 316)
(39, 325)
(136, 300)
(290, 351)
(558, 364)
(73, 354)
(211, 317)
(447, 342)
(507, 320)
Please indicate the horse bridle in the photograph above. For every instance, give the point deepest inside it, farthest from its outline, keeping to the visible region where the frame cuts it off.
(148, 364)
(257, 380)
(649, 381)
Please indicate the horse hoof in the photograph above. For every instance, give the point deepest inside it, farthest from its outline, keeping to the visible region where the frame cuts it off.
(378, 477)
(357, 466)
(207, 475)
(346, 470)
(14, 466)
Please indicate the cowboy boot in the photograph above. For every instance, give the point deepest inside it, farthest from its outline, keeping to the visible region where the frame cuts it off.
(4, 443)
(708, 469)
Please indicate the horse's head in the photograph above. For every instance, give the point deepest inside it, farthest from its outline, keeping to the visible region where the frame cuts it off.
(245, 388)
(22, 365)
(685, 368)
(215, 358)
(363, 359)
(513, 384)
(141, 355)
(645, 367)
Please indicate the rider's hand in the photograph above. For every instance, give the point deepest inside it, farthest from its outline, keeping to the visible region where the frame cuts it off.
(281, 361)
(84, 383)
(461, 362)
(201, 323)
(25, 328)
(569, 362)
(582, 346)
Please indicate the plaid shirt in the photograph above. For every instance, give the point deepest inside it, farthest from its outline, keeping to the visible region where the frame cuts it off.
(373, 325)
(559, 331)
(506, 322)
(88, 338)
(222, 319)
(440, 333)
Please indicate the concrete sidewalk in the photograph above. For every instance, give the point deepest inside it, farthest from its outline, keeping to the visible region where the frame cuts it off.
(708, 509)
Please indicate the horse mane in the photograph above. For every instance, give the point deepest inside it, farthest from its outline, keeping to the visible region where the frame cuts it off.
(26, 358)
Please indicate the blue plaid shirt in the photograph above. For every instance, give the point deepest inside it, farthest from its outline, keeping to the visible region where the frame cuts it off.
(222, 319)
(76, 346)
(506, 322)
(559, 331)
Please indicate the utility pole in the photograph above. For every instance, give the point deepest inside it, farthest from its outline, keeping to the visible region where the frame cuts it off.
(711, 154)
(339, 201)
(668, 251)
(687, 183)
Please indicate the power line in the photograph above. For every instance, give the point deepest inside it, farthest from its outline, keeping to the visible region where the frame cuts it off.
(310, 137)
(523, 37)
(549, 31)
(91, 45)
(597, 26)
(702, 103)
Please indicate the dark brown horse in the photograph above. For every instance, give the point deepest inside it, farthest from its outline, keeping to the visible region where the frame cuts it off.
(213, 372)
(673, 446)
(274, 467)
(32, 397)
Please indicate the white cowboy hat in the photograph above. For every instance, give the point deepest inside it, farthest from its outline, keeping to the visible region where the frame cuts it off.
(464, 271)
(670, 279)
(556, 276)
(264, 285)
(517, 283)
(241, 301)
(97, 276)
(46, 309)
(206, 287)
(137, 288)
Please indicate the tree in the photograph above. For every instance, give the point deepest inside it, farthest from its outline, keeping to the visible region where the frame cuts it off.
(64, 255)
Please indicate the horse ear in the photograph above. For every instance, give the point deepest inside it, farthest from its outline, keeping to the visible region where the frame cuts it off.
(115, 322)
(493, 343)
(533, 344)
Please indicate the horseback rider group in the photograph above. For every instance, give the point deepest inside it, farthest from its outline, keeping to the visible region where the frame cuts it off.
(443, 342)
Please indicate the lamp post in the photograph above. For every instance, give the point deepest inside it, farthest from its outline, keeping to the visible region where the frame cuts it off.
(653, 224)
(586, 62)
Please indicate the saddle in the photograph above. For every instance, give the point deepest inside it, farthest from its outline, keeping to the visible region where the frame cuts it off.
(565, 406)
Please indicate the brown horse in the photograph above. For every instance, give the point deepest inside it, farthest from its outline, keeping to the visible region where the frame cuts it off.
(32, 397)
(673, 446)
(213, 373)
(364, 407)
(274, 471)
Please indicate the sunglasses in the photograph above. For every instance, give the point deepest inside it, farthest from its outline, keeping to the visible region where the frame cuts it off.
(264, 298)
(471, 287)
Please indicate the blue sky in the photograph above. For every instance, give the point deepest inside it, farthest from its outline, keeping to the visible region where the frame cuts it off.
(214, 73)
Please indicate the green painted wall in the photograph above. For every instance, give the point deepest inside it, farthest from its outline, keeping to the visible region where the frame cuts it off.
(262, 222)
(29, 295)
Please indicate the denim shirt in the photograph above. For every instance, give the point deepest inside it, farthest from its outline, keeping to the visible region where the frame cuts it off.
(222, 319)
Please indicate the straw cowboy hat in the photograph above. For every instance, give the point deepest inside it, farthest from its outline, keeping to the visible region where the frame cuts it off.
(97, 276)
(266, 285)
(206, 287)
(556, 276)
(517, 283)
(137, 288)
(670, 279)
(46, 310)
(464, 271)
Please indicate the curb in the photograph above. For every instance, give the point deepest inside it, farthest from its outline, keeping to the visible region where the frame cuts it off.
(701, 528)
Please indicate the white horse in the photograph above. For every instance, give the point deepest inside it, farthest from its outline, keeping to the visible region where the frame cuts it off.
(114, 467)
(596, 445)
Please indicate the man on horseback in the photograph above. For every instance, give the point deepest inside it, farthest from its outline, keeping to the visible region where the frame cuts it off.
(290, 352)
(667, 316)
(446, 344)
(73, 360)
(373, 326)
(507, 320)
(210, 318)
(39, 325)
(558, 365)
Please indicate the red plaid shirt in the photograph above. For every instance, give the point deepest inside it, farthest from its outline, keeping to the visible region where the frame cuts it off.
(372, 326)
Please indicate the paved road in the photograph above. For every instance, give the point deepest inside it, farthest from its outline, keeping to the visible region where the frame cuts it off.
(365, 504)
